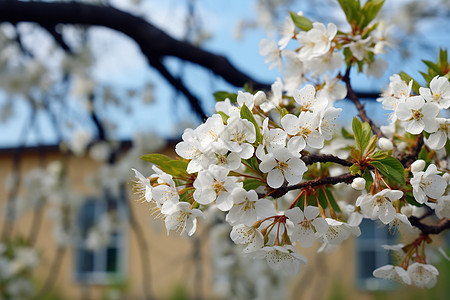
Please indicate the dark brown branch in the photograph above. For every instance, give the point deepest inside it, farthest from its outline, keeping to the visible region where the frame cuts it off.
(346, 178)
(360, 107)
(178, 85)
(440, 226)
(407, 160)
(312, 158)
(58, 38)
(152, 41)
(52, 274)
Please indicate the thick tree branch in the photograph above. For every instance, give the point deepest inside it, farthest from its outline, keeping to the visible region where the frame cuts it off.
(360, 107)
(152, 41)
(178, 85)
(440, 226)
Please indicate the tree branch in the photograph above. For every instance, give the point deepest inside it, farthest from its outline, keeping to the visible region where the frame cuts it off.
(346, 178)
(152, 41)
(312, 158)
(178, 84)
(360, 107)
(440, 226)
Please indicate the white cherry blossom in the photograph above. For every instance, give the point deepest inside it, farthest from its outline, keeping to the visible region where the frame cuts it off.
(214, 185)
(238, 136)
(428, 184)
(285, 259)
(327, 125)
(393, 273)
(442, 208)
(247, 235)
(423, 275)
(305, 225)
(304, 129)
(359, 47)
(191, 148)
(142, 186)
(418, 115)
(280, 164)
(439, 92)
(306, 98)
(269, 49)
(182, 218)
(316, 41)
(438, 139)
(338, 232)
(333, 89)
(379, 206)
(287, 32)
(247, 208)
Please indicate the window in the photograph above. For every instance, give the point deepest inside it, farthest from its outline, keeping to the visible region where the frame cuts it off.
(370, 254)
(103, 264)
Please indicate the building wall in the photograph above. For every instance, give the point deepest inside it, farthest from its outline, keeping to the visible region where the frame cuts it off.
(172, 259)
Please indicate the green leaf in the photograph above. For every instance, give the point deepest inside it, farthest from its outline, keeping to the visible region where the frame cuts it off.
(407, 78)
(368, 177)
(391, 168)
(187, 196)
(365, 137)
(300, 21)
(357, 131)
(351, 10)
(251, 184)
(169, 165)
(361, 133)
(222, 95)
(354, 169)
(370, 11)
(322, 198)
(380, 167)
(333, 202)
(253, 163)
(443, 59)
(380, 154)
(432, 66)
(224, 116)
(247, 115)
(346, 134)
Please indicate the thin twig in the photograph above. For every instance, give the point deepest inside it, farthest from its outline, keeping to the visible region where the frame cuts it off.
(360, 107)
(52, 274)
(313, 158)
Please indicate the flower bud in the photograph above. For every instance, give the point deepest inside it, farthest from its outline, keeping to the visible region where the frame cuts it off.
(259, 98)
(385, 144)
(359, 183)
(418, 165)
(407, 210)
(446, 176)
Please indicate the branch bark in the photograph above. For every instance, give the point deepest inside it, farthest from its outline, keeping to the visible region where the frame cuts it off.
(360, 107)
(346, 178)
(152, 41)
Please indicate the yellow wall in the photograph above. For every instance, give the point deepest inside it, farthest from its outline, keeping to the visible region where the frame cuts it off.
(171, 257)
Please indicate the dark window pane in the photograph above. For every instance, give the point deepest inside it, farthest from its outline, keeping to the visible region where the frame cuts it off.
(367, 229)
(111, 260)
(86, 261)
(366, 264)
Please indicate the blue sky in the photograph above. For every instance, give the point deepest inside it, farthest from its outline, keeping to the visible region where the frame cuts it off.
(121, 64)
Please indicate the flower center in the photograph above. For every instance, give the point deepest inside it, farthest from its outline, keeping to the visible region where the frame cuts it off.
(218, 187)
(417, 114)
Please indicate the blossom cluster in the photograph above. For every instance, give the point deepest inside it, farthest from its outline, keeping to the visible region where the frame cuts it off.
(255, 158)
(420, 113)
(17, 262)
